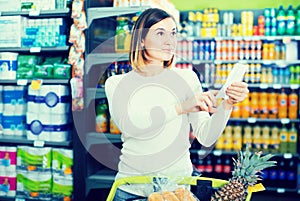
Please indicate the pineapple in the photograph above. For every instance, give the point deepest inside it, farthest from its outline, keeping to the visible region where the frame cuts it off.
(247, 169)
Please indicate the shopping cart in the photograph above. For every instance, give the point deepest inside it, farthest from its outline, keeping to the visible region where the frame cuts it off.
(216, 183)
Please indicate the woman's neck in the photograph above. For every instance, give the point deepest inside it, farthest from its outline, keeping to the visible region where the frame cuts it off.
(151, 69)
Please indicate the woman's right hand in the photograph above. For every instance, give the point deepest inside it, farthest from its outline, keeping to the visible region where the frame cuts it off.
(205, 101)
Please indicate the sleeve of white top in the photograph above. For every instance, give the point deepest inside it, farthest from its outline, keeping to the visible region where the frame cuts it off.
(207, 128)
(120, 115)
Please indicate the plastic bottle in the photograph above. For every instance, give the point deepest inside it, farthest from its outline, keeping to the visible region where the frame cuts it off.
(123, 36)
(292, 105)
(228, 138)
(237, 137)
(274, 140)
(272, 105)
(245, 108)
(257, 140)
(236, 111)
(293, 77)
(283, 135)
(290, 23)
(298, 21)
(254, 109)
(292, 139)
(282, 104)
(263, 104)
(281, 21)
(247, 139)
(265, 138)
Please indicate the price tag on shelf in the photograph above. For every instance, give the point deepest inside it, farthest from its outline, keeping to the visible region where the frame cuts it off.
(286, 39)
(285, 121)
(36, 84)
(294, 86)
(280, 190)
(34, 13)
(196, 62)
(287, 156)
(35, 49)
(263, 86)
(38, 143)
(266, 62)
(201, 152)
(252, 120)
(19, 199)
(22, 82)
(277, 86)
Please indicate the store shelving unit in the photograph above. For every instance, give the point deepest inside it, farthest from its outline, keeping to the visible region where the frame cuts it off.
(7, 140)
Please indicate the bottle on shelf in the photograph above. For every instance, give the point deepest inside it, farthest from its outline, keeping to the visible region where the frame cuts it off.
(282, 104)
(265, 138)
(254, 107)
(283, 135)
(263, 104)
(281, 21)
(245, 108)
(228, 138)
(272, 105)
(257, 138)
(247, 138)
(290, 21)
(293, 105)
(237, 137)
(274, 140)
(123, 36)
(292, 139)
(291, 174)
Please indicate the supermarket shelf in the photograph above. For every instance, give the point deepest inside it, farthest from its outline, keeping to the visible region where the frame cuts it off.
(101, 138)
(224, 152)
(23, 140)
(94, 93)
(271, 38)
(37, 13)
(257, 120)
(266, 62)
(102, 12)
(258, 85)
(33, 49)
(283, 190)
(102, 179)
(5, 198)
(103, 58)
(27, 81)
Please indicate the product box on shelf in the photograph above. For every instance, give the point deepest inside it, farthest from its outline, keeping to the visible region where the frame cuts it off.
(7, 184)
(9, 5)
(13, 30)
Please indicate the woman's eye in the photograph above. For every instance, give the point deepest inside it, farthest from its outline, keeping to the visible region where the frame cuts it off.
(160, 33)
(174, 33)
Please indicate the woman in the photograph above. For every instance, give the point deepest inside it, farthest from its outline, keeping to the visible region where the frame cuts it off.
(154, 106)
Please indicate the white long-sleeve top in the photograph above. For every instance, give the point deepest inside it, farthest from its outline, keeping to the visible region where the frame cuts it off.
(155, 138)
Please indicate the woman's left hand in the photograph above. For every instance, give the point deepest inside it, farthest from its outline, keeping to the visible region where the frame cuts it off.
(237, 92)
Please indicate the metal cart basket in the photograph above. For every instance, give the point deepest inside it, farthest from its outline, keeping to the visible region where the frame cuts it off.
(216, 183)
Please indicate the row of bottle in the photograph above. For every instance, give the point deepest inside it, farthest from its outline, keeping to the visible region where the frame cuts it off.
(257, 73)
(208, 24)
(286, 22)
(231, 50)
(284, 175)
(275, 139)
(271, 104)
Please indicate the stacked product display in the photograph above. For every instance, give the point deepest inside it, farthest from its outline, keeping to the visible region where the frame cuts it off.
(36, 154)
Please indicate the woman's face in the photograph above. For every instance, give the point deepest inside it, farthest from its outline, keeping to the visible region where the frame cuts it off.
(160, 42)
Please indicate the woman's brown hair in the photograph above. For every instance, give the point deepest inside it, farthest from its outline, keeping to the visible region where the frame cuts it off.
(137, 54)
